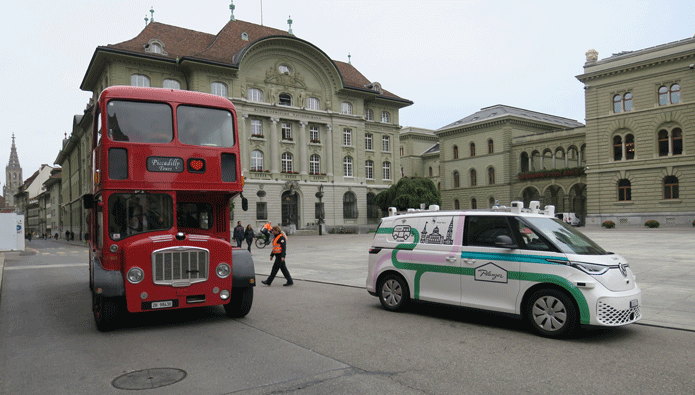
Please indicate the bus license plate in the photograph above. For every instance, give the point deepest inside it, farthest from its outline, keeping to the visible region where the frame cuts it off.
(162, 305)
(634, 303)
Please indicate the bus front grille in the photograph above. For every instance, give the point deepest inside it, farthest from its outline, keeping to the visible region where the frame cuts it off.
(180, 266)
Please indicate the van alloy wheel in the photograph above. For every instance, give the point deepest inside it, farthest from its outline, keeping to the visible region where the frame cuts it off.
(551, 313)
(393, 293)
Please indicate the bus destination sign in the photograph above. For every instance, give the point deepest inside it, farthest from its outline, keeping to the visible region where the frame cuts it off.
(165, 164)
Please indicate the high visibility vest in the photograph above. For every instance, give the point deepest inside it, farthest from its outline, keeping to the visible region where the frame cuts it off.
(277, 248)
(268, 227)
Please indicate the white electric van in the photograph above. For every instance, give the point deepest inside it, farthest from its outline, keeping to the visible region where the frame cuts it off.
(513, 260)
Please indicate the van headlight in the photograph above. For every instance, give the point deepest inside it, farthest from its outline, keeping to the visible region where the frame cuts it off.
(135, 275)
(223, 270)
(590, 268)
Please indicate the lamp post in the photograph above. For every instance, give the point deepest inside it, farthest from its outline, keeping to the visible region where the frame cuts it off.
(319, 209)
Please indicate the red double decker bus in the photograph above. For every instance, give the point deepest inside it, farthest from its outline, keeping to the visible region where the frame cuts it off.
(166, 165)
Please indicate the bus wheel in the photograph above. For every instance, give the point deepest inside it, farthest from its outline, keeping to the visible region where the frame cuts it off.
(393, 293)
(240, 303)
(106, 312)
(551, 313)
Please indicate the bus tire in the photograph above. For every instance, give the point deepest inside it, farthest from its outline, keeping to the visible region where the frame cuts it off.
(106, 311)
(240, 302)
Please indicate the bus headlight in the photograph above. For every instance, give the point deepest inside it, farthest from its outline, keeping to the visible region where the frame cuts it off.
(135, 275)
(223, 270)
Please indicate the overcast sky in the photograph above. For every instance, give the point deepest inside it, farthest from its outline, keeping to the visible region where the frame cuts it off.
(451, 58)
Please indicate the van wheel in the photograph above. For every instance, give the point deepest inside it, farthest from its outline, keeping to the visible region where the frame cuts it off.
(393, 293)
(551, 313)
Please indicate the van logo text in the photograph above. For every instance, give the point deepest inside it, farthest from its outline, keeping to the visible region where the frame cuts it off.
(491, 273)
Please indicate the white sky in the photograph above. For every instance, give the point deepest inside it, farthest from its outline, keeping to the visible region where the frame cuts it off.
(451, 58)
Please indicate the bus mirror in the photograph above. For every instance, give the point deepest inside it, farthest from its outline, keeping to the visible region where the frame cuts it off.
(88, 201)
(244, 203)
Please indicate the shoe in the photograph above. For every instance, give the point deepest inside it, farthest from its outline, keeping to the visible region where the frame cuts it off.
(287, 284)
(265, 282)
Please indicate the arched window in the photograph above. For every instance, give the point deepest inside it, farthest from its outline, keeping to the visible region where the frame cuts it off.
(490, 147)
(627, 101)
(386, 167)
(369, 169)
(430, 169)
(255, 95)
(457, 206)
(369, 114)
(287, 162)
(456, 179)
(472, 149)
(663, 96)
(491, 176)
(349, 205)
(314, 164)
(474, 204)
(256, 160)
(312, 103)
(284, 99)
(629, 147)
(219, 89)
(663, 143)
(524, 165)
(347, 166)
(547, 159)
(677, 141)
(624, 190)
(171, 84)
(456, 152)
(671, 187)
(474, 178)
(491, 202)
(385, 117)
(617, 148)
(346, 108)
(155, 48)
(617, 103)
(675, 93)
(139, 80)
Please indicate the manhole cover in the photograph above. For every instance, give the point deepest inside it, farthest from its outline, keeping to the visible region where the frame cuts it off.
(147, 379)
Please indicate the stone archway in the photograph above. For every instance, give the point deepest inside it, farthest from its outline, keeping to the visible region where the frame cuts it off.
(530, 194)
(577, 202)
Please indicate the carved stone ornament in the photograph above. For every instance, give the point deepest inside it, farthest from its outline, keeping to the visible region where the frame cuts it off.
(293, 79)
(591, 56)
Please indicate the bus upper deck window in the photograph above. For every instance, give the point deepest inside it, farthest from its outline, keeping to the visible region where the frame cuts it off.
(205, 126)
(139, 122)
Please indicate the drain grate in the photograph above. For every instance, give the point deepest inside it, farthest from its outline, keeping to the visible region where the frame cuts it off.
(148, 379)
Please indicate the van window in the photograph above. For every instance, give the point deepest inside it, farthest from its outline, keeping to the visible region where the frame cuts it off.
(565, 237)
(483, 230)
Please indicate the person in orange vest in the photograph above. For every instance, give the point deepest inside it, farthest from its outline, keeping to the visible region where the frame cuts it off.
(266, 230)
(279, 252)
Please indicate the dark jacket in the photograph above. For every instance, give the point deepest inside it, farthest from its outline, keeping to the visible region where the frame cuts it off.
(248, 235)
(238, 233)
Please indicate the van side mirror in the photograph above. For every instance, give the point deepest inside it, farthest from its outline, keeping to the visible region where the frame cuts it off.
(88, 201)
(505, 241)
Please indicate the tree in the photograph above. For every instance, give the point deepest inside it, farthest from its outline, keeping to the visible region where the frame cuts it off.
(409, 193)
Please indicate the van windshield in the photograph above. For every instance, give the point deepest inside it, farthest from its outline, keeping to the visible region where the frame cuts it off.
(565, 237)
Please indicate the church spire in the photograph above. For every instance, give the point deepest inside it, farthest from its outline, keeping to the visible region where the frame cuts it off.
(13, 176)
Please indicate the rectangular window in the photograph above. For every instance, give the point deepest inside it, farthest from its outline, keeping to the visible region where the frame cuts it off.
(347, 137)
(386, 142)
(261, 211)
(314, 134)
(369, 170)
(286, 131)
(387, 171)
(256, 128)
(368, 142)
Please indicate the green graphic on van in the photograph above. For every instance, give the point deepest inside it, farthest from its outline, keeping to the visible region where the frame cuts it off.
(422, 268)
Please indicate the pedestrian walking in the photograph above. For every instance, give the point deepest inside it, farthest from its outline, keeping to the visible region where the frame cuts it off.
(279, 252)
(248, 235)
(238, 234)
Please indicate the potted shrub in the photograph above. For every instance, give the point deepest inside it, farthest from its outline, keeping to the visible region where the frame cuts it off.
(608, 224)
(652, 223)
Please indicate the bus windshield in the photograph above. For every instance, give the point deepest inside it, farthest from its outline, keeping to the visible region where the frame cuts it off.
(205, 126)
(139, 122)
(135, 213)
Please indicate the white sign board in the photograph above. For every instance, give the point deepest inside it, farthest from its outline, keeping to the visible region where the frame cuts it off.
(11, 232)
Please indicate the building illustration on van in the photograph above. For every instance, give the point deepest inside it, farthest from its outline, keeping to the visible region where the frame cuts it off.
(435, 237)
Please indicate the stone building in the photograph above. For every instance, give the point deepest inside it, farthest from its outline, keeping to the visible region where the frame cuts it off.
(305, 121)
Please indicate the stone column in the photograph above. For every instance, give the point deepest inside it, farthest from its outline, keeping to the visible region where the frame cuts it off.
(274, 153)
(329, 150)
(303, 141)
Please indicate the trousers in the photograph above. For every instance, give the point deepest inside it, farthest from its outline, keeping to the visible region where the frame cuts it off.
(279, 264)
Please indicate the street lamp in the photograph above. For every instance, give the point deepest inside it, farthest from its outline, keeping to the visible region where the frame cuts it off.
(319, 209)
